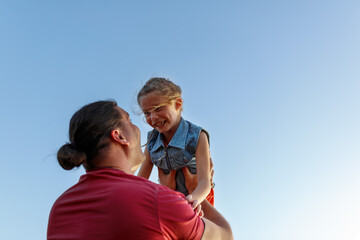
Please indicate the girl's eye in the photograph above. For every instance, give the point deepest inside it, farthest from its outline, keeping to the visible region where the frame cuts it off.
(158, 109)
(146, 114)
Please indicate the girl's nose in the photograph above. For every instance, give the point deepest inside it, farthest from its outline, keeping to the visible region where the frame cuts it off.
(153, 116)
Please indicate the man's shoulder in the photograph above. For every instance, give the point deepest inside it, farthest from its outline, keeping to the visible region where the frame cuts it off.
(116, 179)
(176, 216)
(139, 184)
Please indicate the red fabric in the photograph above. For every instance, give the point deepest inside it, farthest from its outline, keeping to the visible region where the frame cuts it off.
(110, 204)
(210, 197)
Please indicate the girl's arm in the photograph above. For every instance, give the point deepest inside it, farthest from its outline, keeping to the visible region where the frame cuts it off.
(146, 166)
(203, 172)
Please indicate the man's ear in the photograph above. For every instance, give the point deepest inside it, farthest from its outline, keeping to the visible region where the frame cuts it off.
(118, 137)
(178, 103)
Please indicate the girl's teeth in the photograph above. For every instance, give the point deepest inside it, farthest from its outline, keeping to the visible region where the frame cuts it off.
(159, 124)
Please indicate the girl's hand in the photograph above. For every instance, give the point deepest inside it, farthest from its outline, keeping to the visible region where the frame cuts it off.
(195, 205)
(167, 180)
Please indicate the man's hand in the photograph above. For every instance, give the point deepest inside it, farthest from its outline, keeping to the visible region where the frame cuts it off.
(211, 172)
(167, 180)
(191, 180)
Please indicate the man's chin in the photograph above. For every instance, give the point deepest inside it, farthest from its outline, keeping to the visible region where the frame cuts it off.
(140, 160)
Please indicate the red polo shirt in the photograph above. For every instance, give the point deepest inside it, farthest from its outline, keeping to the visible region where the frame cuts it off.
(110, 204)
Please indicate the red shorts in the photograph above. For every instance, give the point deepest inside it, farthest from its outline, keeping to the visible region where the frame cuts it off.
(210, 197)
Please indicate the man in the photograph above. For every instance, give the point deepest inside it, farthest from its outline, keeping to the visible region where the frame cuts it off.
(109, 202)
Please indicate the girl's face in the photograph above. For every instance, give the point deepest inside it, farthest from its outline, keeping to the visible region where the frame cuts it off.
(161, 114)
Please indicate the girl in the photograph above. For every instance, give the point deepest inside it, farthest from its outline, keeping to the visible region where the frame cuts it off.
(174, 143)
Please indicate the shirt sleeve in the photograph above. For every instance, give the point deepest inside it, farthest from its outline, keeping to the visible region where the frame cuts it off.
(177, 219)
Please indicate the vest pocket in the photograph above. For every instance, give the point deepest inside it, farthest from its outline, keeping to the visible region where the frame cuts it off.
(182, 158)
(159, 160)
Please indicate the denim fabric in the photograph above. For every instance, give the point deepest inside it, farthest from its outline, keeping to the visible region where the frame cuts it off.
(179, 153)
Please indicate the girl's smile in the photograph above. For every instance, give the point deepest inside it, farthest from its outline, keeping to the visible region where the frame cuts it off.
(161, 114)
(159, 124)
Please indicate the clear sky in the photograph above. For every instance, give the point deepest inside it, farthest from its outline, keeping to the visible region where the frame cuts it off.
(275, 83)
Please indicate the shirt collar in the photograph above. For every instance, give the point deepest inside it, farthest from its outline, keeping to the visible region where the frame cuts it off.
(179, 138)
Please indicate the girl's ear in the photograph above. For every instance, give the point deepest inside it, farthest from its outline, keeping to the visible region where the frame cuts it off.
(178, 103)
(118, 137)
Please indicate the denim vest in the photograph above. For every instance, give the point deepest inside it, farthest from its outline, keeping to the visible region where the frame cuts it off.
(179, 153)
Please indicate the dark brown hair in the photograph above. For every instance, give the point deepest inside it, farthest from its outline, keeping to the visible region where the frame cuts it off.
(89, 128)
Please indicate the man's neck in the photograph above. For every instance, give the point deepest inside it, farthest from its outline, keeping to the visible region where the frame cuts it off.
(112, 158)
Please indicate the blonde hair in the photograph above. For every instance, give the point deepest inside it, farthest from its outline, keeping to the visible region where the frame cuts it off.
(164, 86)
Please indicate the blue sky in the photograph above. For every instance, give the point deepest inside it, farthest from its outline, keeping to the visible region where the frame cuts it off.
(275, 83)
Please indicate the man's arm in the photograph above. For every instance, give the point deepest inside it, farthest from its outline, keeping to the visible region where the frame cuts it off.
(176, 217)
(216, 226)
(179, 221)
